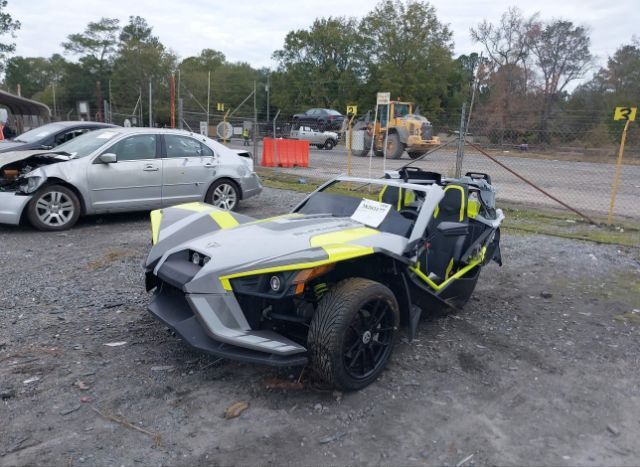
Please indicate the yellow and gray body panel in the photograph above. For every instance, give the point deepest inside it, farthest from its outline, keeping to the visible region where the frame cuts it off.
(239, 246)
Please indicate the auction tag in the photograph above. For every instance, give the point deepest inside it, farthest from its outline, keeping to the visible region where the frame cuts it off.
(371, 213)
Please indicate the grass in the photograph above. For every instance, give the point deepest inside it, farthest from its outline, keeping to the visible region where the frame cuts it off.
(519, 219)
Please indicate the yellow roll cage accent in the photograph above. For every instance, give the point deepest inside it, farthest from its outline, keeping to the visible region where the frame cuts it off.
(224, 219)
(461, 272)
(336, 253)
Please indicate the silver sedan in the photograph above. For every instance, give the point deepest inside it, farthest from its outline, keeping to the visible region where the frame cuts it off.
(121, 169)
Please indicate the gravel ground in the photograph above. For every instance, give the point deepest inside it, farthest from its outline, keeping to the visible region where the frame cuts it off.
(541, 367)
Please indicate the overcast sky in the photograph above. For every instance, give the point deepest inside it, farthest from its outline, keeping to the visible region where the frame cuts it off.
(250, 31)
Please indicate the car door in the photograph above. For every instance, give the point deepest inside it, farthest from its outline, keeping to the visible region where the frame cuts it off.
(133, 182)
(188, 168)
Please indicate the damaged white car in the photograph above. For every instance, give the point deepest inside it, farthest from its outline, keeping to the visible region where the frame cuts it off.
(121, 169)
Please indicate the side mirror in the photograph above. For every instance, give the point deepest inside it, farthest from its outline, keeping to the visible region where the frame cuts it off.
(453, 229)
(108, 158)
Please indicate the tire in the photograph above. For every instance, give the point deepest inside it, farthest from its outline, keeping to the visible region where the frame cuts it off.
(395, 148)
(343, 350)
(320, 146)
(329, 144)
(224, 194)
(416, 154)
(361, 126)
(53, 207)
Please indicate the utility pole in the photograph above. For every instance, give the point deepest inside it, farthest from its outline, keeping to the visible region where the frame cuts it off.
(99, 102)
(172, 98)
(110, 104)
(255, 123)
(208, 98)
(268, 89)
(53, 89)
(460, 153)
(150, 104)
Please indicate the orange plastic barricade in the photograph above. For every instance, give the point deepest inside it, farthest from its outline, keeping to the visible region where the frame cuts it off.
(302, 155)
(267, 152)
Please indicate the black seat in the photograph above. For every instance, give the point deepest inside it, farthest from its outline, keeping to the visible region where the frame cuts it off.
(445, 251)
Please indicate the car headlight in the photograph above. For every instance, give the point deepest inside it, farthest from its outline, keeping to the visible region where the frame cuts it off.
(278, 284)
(198, 259)
(33, 183)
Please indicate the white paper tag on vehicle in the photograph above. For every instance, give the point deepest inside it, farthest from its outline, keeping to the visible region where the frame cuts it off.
(371, 213)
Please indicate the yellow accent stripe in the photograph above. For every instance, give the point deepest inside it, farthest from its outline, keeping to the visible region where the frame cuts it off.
(381, 194)
(342, 236)
(224, 219)
(195, 207)
(156, 218)
(336, 253)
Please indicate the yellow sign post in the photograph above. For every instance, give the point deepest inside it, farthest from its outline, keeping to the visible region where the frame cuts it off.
(628, 114)
(352, 109)
(220, 106)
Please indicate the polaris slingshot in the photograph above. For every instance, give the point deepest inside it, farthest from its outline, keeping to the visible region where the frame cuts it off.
(329, 284)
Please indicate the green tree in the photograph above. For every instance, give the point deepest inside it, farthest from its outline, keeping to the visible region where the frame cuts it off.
(8, 26)
(562, 55)
(318, 67)
(95, 46)
(142, 58)
(408, 52)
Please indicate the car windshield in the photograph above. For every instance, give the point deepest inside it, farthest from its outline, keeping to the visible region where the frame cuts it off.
(85, 144)
(39, 133)
(333, 112)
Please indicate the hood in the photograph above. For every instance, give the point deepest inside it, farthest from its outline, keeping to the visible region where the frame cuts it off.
(17, 156)
(9, 145)
(292, 241)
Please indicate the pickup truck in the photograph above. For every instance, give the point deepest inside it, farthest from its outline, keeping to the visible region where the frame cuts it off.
(320, 139)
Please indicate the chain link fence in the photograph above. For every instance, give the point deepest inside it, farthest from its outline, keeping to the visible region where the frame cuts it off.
(557, 162)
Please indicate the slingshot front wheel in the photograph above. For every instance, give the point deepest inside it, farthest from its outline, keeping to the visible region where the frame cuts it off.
(352, 333)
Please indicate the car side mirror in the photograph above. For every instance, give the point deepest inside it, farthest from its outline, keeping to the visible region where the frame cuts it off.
(108, 158)
(453, 229)
(46, 147)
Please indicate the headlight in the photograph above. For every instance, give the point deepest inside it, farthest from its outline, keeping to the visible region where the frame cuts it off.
(284, 283)
(33, 183)
(198, 258)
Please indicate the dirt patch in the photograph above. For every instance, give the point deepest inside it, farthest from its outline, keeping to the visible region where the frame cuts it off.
(537, 369)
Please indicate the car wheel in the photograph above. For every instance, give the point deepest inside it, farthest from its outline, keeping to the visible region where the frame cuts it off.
(53, 207)
(329, 144)
(320, 146)
(395, 148)
(224, 194)
(352, 333)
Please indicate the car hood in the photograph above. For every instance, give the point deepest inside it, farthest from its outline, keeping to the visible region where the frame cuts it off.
(292, 241)
(17, 156)
(10, 145)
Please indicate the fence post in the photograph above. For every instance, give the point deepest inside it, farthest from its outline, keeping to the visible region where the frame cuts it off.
(460, 153)
(255, 124)
(180, 114)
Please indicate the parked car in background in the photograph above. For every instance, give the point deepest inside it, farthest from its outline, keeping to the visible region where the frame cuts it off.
(50, 135)
(121, 169)
(325, 119)
(320, 139)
